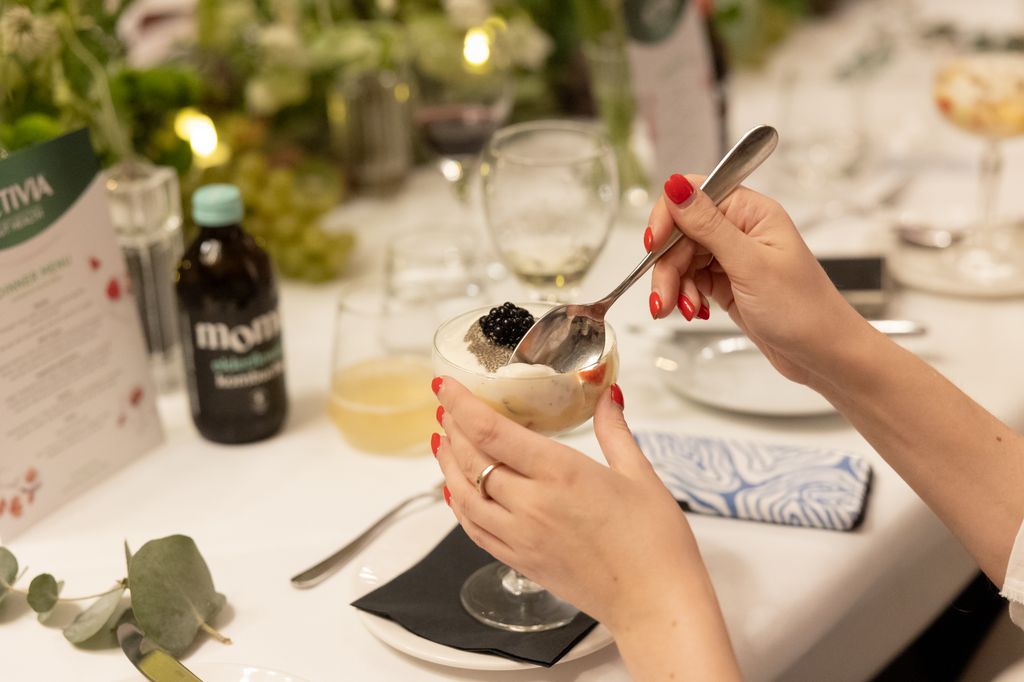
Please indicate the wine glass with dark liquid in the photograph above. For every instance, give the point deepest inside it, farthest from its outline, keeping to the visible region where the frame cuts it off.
(465, 93)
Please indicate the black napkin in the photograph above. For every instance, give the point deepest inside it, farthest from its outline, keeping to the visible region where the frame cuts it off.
(425, 601)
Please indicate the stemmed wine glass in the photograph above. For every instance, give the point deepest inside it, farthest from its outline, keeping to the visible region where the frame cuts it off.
(983, 93)
(550, 404)
(464, 93)
(551, 194)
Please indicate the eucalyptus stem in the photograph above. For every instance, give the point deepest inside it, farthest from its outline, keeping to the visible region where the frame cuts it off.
(213, 633)
(108, 113)
(115, 588)
(15, 590)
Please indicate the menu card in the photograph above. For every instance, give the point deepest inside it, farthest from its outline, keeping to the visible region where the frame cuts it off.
(76, 400)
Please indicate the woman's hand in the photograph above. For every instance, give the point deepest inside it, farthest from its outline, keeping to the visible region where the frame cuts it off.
(599, 537)
(762, 274)
(610, 540)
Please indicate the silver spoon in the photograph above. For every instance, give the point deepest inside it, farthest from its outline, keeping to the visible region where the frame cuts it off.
(926, 236)
(571, 337)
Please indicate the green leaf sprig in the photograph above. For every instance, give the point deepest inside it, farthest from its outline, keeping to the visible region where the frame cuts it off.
(168, 593)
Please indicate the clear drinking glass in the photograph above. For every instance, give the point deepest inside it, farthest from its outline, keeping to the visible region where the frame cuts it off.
(551, 193)
(380, 396)
(436, 268)
(983, 94)
(548, 403)
(824, 144)
(145, 207)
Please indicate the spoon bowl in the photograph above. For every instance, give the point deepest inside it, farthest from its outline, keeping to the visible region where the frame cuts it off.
(572, 337)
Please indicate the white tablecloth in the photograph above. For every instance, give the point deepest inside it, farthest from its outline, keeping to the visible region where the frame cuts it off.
(800, 604)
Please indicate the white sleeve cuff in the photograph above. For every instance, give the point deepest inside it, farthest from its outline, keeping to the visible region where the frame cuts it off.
(1013, 585)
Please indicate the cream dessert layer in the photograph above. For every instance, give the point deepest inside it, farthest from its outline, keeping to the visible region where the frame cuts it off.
(535, 396)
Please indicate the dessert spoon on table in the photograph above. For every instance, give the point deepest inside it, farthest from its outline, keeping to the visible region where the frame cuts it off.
(314, 575)
(572, 337)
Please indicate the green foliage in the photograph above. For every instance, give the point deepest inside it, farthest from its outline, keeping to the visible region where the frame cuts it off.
(170, 596)
(172, 592)
(8, 571)
(67, 70)
(42, 593)
(752, 28)
(100, 614)
(44, 616)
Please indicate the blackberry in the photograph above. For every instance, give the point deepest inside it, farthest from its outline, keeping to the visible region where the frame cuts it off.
(506, 325)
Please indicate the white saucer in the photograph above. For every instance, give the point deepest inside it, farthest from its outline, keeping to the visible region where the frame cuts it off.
(407, 541)
(732, 374)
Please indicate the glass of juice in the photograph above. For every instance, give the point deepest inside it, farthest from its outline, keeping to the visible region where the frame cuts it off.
(380, 396)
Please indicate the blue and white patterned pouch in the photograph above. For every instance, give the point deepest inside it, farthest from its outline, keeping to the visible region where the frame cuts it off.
(787, 484)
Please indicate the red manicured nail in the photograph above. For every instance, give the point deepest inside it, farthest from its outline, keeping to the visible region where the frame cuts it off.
(617, 395)
(686, 307)
(440, 414)
(447, 496)
(678, 188)
(704, 312)
(435, 442)
(435, 385)
(655, 303)
(648, 239)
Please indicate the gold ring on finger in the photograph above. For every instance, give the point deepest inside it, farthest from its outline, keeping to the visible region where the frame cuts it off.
(481, 478)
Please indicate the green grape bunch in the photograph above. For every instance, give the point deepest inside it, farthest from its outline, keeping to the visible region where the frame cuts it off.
(285, 206)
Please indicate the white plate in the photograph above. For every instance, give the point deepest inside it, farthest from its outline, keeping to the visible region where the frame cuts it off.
(407, 541)
(732, 374)
(233, 672)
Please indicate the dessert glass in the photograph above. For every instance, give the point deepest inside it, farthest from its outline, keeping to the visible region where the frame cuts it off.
(983, 94)
(547, 403)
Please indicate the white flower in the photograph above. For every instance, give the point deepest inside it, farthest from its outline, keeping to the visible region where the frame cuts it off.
(259, 98)
(268, 93)
(345, 46)
(25, 35)
(467, 13)
(528, 45)
(282, 46)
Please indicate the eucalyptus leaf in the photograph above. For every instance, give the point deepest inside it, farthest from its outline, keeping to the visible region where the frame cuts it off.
(44, 617)
(92, 620)
(106, 636)
(127, 555)
(42, 593)
(8, 571)
(172, 592)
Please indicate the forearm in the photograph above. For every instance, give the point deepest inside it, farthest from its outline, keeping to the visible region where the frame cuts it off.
(964, 463)
(678, 634)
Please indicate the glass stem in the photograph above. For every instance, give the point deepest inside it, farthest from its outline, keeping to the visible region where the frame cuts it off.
(458, 170)
(990, 176)
(518, 584)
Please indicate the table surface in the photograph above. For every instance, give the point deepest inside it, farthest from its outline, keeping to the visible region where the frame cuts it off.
(800, 604)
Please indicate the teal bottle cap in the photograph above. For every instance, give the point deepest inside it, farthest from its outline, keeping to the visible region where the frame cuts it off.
(217, 205)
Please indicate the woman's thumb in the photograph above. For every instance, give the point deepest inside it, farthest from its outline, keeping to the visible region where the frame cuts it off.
(616, 440)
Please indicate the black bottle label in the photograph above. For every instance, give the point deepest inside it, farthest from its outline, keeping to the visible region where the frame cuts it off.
(237, 365)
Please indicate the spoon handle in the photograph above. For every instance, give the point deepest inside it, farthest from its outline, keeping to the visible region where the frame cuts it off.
(749, 153)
